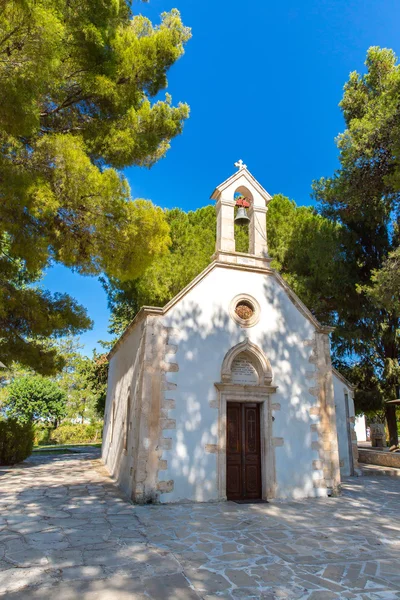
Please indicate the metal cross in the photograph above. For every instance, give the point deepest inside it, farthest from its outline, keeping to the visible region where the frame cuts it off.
(240, 165)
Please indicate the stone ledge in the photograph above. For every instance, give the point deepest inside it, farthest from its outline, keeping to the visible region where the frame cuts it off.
(382, 458)
(377, 470)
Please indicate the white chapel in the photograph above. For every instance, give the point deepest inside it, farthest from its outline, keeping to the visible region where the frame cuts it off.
(228, 391)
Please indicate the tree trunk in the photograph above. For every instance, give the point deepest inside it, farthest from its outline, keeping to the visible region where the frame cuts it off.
(390, 414)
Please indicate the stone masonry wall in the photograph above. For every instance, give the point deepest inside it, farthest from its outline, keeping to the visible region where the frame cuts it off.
(324, 425)
(385, 459)
(154, 421)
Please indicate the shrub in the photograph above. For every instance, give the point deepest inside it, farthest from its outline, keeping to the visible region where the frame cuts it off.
(16, 441)
(33, 397)
(76, 433)
(42, 434)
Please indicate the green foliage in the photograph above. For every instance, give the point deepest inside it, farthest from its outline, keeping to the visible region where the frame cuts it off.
(301, 242)
(82, 379)
(384, 290)
(364, 197)
(97, 378)
(16, 441)
(29, 315)
(42, 433)
(34, 397)
(76, 433)
(78, 81)
(368, 394)
(192, 245)
(73, 379)
(304, 246)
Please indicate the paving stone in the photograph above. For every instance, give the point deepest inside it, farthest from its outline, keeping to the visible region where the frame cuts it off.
(84, 572)
(99, 557)
(334, 572)
(163, 564)
(60, 559)
(74, 535)
(30, 557)
(322, 596)
(170, 587)
(239, 578)
(204, 580)
(15, 578)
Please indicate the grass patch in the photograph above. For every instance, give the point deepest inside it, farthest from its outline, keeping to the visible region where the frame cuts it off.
(44, 447)
(54, 451)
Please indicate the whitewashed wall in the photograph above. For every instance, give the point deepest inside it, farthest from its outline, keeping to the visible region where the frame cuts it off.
(340, 389)
(205, 333)
(123, 375)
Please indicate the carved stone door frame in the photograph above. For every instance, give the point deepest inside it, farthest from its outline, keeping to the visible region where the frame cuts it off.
(237, 392)
(247, 393)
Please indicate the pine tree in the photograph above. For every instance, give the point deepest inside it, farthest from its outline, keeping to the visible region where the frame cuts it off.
(79, 80)
(363, 197)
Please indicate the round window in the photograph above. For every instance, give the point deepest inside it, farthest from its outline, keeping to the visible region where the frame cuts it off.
(245, 310)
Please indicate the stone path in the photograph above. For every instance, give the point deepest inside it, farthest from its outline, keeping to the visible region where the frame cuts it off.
(66, 532)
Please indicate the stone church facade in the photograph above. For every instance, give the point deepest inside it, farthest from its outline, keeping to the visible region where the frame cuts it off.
(228, 392)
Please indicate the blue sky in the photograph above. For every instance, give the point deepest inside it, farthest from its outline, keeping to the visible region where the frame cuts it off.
(263, 80)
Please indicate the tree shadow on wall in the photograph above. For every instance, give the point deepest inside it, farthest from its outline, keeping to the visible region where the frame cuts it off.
(203, 338)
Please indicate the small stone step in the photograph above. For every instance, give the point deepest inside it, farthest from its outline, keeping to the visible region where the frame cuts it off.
(374, 470)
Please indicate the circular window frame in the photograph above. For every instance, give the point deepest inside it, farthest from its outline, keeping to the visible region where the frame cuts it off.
(253, 303)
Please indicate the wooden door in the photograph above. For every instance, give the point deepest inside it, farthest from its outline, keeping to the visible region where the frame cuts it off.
(243, 451)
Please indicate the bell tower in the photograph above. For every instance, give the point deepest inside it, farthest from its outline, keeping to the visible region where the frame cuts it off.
(254, 199)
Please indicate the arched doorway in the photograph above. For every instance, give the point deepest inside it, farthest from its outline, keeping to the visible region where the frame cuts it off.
(246, 465)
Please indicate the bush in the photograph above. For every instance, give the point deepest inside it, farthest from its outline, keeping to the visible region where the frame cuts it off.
(34, 397)
(76, 433)
(16, 441)
(42, 434)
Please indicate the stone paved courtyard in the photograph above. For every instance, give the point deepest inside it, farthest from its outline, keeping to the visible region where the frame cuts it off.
(66, 532)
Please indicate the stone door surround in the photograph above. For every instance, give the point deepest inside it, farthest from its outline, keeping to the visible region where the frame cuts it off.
(259, 393)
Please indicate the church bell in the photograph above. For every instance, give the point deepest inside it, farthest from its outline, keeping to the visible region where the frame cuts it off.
(241, 217)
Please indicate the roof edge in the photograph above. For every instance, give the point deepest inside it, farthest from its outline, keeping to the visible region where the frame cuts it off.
(220, 188)
(143, 312)
(301, 306)
(343, 379)
(157, 310)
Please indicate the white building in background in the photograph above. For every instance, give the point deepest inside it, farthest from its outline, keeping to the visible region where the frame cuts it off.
(360, 428)
(228, 392)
